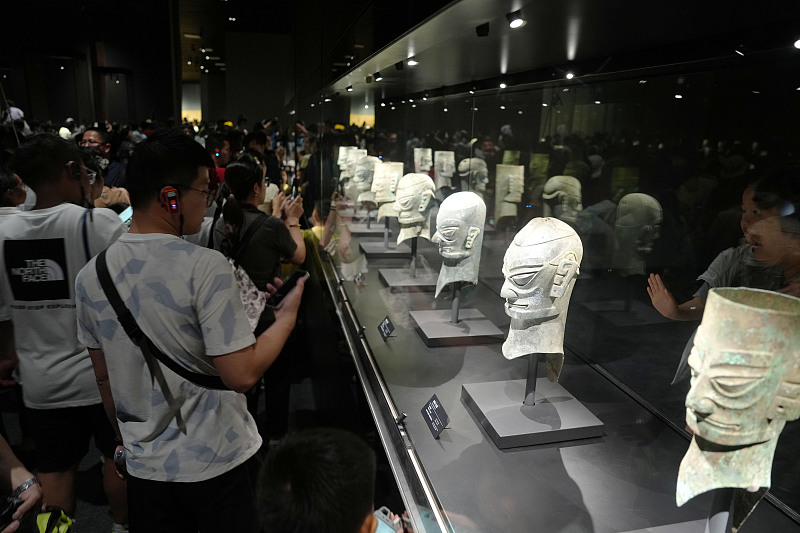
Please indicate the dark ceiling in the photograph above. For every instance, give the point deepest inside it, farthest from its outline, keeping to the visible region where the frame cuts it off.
(588, 36)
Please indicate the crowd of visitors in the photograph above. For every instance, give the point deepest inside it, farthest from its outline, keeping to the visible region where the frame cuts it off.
(121, 319)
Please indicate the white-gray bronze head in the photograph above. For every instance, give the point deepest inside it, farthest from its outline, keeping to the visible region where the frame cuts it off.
(459, 233)
(474, 175)
(413, 206)
(444, 168)
(540, 268)
(562, 198)
(637, 226)
(745, 386)
(423, 160)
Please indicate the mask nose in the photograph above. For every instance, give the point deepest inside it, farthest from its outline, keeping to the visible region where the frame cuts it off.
(699, 403)
(508, 292)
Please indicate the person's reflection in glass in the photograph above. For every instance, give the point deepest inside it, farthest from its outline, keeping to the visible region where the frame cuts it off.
(733, 267)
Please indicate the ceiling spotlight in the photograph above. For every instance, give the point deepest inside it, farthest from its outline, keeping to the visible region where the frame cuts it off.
(392, 108)
(445, 109)
(413, 105)
(797, 43)
(327, 100)
(383, 104)
(377, 76)
(61, 67)
(349, 88)
(515, 19)
(412, 61)
(642, 82)
(756, 92)
(312, 105)
(502, 85)
(232, 19)
(502, 107)
(678, 96)
(739, 51)
(410, 99)
(569, 75)
(366, 106)
(188, 61)
(597, 101)
(519, 112)
(544, 105)
(482, 30)
(425, 96)
(208, 57)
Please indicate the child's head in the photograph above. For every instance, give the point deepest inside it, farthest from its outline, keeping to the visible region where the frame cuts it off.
(318, 481)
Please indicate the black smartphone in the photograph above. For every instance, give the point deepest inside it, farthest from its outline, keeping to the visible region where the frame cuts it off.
(276, 300)
(295, 189)
(7, 509)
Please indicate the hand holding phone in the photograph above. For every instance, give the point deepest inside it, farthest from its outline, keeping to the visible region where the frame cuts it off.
(289, 284)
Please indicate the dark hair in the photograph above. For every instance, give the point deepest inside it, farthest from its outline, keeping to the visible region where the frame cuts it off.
(317, 481)
(240, 176)
(214, 142)
(166, 157)
(8, 181)
(780, 189)
(235, 140)
(258, 137)
(41, 158)
(101, 132)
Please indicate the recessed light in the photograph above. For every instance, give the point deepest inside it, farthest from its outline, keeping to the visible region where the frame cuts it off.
(502, 85)
(377, 76)
(383, 104)
(678, 96)
(797, 43)
(349, 88)
(519, 112)
(502, 107)
(366, 106)
(569, 75)
(412, 61)
(445, 109)
(544, 105)
(597, 101)
(515, 19)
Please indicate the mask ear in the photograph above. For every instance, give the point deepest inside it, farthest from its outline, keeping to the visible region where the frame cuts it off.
(567, 270)
(472, 234)
(426, 199)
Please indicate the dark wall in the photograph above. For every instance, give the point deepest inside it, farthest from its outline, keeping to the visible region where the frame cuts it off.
(91, 39)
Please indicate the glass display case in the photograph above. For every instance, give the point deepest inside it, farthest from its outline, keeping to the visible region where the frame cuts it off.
(648, 166)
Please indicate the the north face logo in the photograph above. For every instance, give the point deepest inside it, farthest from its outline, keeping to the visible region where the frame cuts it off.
(37, 269)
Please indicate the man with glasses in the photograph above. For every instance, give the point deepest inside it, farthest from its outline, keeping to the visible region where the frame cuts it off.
(98, 140)
(41, 252)
(189, 449)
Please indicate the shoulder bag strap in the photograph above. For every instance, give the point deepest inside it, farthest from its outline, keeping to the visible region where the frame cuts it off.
(251, 229)
(141, 340)
(86, 236)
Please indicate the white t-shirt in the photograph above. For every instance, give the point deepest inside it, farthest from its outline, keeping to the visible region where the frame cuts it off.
(41, 252)
(183, 298)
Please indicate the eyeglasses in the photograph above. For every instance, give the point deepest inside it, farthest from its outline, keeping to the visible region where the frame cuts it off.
(207, 193)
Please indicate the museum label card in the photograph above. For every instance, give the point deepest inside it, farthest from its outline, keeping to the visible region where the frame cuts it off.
(385, 328)
(435, 417)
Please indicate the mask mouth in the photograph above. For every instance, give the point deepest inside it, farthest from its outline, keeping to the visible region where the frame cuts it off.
(717, 424)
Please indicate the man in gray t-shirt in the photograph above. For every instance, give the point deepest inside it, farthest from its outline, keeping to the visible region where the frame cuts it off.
(188, 448)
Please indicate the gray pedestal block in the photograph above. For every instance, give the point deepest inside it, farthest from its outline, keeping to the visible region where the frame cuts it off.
(556, 417)
(472, 327)
(399, 279)
(377, 250)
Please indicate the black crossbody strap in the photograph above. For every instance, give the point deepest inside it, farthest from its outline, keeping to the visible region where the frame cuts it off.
(251, 229)
(141, 340)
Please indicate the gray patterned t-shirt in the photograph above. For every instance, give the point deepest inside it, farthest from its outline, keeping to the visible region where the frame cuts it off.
(183, 298)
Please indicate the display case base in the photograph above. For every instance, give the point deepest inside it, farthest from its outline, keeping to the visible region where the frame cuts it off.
(377, 250)
(473, 327)
(556, 417)
(399, 279)
(360, 229)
